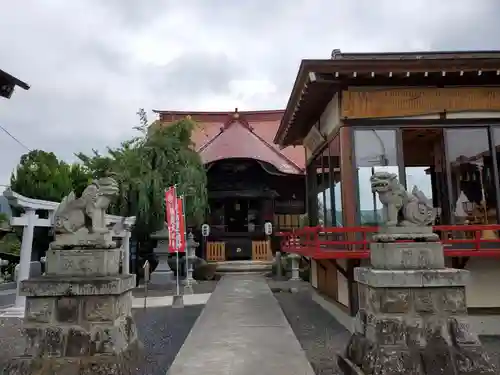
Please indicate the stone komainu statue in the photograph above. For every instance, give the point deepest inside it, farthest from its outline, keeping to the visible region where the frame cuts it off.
(401, 207)
(87, 211)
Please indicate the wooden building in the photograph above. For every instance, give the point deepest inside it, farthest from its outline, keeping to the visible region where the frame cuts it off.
(8, 84)
(250, 181)
(434, 119)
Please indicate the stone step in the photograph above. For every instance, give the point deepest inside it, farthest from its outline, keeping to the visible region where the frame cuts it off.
(244, 266)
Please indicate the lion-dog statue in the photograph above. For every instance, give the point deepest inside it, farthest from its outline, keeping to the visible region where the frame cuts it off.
(87, 211)
(399, 206)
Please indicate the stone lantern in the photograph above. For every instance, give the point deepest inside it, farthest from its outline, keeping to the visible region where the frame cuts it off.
(163, 275)
(191, 258)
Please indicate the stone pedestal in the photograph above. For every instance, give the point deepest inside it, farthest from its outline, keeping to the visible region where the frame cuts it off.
(163, 274)
(78, 317)
(412, 316)
(294, 258)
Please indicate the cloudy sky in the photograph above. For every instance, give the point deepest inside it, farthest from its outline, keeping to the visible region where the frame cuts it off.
(92, 63)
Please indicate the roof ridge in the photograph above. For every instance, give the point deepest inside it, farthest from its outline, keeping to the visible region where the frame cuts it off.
(275, 150)
(244, 124)
(210, 141)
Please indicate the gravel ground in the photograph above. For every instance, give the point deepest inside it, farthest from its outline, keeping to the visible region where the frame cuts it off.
(322, 336)
(162, 330)
(286, 285)
(200, 287)
(319, 334)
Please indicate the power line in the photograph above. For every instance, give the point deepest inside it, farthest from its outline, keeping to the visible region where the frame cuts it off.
(14, 138)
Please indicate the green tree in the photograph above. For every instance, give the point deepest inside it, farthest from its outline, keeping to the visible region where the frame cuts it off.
(161, 156)
(41, 175)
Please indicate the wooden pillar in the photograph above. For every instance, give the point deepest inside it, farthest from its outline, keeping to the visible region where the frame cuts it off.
(347, 177)
(349, 207)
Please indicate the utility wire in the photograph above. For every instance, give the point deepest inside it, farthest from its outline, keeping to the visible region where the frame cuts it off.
(14, 138)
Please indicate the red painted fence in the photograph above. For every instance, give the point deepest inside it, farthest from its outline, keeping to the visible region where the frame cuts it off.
(354, 242)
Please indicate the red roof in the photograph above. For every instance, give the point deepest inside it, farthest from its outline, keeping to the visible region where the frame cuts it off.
(249, 134)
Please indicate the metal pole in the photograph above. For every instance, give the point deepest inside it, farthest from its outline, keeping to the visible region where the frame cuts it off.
(187, 286)
(176, 244)
(177, 273)
(186, 250)
(146, 281)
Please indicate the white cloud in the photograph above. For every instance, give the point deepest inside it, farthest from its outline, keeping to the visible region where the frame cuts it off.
(92, 63)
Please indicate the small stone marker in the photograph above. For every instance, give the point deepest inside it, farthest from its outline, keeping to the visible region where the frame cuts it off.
(295, 258)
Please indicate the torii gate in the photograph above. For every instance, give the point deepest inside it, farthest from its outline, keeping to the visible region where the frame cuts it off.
(29, 220)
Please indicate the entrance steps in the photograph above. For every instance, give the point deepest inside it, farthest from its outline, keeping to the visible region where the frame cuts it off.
(244, 266)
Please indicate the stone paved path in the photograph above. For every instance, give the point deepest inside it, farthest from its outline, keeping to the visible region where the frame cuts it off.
(241, 331)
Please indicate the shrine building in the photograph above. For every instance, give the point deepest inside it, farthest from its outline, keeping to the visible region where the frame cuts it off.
(433, 118)
(8, 84)
(251, 181)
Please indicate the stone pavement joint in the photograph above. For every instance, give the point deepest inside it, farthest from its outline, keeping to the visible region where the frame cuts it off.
(241, 331)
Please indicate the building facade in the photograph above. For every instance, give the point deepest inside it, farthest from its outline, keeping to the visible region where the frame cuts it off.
(8, 83)
(431, 118)
(250, 181)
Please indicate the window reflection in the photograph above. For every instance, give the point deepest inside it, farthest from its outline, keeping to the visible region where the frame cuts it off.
(472, 187)
(336, 183)
(423, 153)
(375, 151)
(322, 183)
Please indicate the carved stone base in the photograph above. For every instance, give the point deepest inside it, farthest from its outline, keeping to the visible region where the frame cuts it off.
(83, 262)
(83, 240)
(124, 363)
(409, 255)
(395, 233)
(439, 356)
(410, 329)
(412, 316)
(79, 322)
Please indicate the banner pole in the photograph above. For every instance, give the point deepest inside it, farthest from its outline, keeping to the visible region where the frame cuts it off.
(177, 280)
(177, 273)
(186, 255)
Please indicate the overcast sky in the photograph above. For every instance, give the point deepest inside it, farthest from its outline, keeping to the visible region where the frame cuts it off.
(92, 63)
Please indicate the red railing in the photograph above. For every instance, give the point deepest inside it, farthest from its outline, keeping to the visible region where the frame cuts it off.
(354, 242)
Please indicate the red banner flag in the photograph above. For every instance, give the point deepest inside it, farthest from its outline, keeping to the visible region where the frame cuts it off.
(171, 208)
(175, 221)
(182, 227)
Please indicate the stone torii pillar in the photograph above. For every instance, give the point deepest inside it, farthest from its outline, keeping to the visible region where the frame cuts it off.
(29, 220)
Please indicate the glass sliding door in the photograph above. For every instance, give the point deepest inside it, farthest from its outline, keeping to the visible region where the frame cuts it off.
(423, 160)
(375, 150)
(335, 191)
(470, 176)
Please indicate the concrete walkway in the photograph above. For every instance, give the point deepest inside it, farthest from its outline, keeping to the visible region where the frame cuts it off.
(241, 331)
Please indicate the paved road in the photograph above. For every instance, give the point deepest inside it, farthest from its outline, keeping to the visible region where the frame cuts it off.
(241, 331)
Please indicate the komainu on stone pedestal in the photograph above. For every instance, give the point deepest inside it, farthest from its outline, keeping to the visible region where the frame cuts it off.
(78, 317)
(412, 316)
(81, 221)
